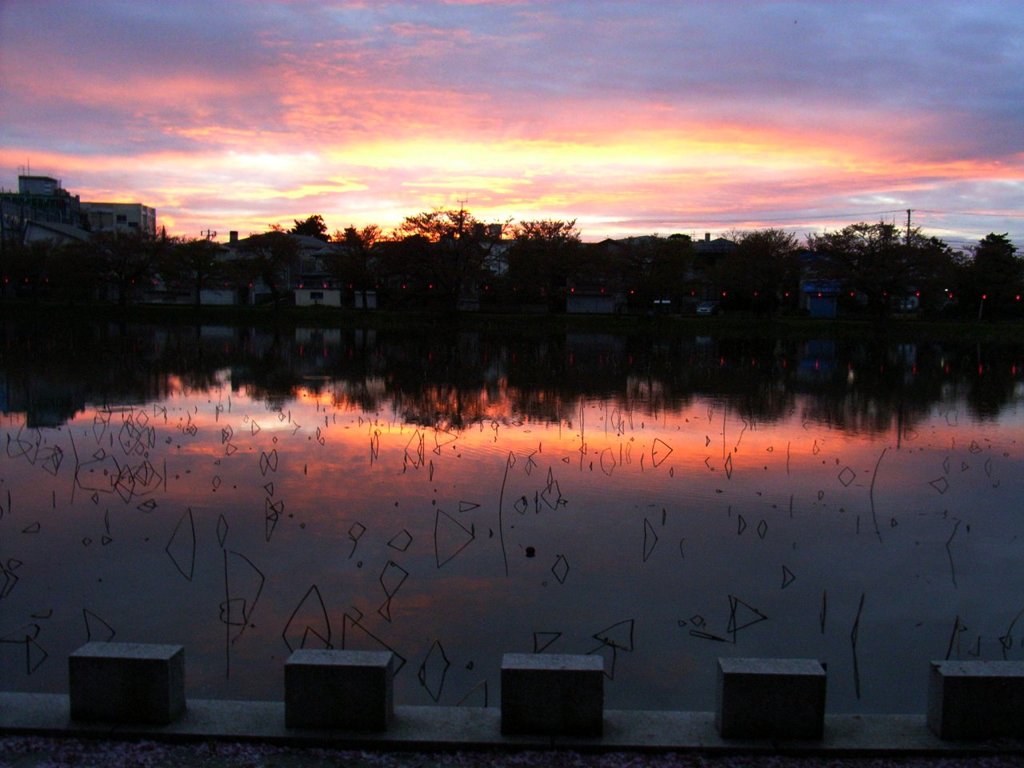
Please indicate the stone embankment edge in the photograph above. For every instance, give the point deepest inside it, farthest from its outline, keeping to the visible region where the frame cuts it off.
(478, 728)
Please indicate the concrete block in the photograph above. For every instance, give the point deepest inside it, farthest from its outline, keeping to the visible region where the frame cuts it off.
(127, 682)
(770, 698)
(552, 694)
(350, 690)
(976, 699)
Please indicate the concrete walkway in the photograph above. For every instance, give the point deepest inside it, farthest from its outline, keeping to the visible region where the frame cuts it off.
(465, 730)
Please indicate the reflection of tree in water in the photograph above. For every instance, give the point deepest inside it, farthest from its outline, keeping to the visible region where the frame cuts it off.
(453, 377)
(750, 374)
(872, 387)
(991, 378)
(876, 387)
(268, 369)
(194, 357)
(51, 369)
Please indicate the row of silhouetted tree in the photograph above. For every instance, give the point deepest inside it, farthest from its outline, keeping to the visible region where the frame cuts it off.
(447, 258)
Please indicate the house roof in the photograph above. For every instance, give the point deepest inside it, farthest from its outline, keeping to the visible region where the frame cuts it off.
(306, 243)
(51, 230)
(718, 245)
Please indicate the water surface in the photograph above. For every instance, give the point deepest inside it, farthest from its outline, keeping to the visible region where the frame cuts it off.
(659, 501)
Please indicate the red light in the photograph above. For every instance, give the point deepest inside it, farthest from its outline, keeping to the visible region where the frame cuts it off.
(918, 294)
(984, 296)
(756, 294)
(724, 294)
(819, 294)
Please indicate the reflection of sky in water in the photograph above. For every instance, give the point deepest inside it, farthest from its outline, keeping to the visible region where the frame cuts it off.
(661, 540)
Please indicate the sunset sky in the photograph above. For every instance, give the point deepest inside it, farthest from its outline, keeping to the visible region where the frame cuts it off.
(641, 117)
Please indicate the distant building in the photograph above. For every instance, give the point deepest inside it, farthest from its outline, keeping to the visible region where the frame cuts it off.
(120, 217)
(42, 207)
(39, 199)
(820, 297)
(42, 186)
(593, 299)
(317, 297)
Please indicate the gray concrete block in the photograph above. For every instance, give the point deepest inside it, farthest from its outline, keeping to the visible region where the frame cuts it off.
(350, 690)
(976, 699)
(552, 694)
(770, 698)
(127, 682)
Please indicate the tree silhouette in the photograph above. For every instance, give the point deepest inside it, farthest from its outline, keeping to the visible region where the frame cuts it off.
(659, 269)
(193, 262)
(452, 247)
(126, 260)
(994, 276)
(271, 257)
(542, 256)
(312, 226)
(883, 267)
(74, 271)
(762, 269)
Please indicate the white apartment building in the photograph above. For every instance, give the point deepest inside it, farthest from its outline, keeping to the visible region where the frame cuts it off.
(120, 217)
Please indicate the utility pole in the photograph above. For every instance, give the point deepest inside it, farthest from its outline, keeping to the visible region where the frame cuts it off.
(908, 226)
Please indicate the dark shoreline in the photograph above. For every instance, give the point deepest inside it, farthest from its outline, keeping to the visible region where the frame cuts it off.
(909, 329)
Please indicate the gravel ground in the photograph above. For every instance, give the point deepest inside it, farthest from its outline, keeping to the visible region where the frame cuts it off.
(37, 752)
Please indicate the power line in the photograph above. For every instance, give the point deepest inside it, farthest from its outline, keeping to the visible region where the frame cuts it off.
(972, 213)
(798, 218)
(791, 217)
(810, 217)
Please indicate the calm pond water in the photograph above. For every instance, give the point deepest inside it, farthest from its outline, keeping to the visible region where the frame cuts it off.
(661, 501)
